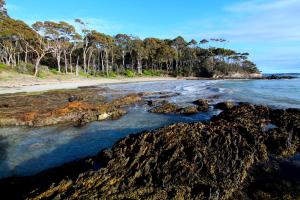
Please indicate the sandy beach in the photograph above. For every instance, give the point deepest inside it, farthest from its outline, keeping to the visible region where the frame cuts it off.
(37, 85)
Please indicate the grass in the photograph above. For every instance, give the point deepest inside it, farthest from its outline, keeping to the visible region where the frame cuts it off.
(3, 66)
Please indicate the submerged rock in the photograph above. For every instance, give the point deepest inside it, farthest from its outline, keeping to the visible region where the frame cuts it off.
(189, 161)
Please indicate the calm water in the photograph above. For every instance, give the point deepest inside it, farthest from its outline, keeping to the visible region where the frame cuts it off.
(26, 151)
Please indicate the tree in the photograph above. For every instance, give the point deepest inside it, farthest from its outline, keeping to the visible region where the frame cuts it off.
(123, 42)
(140, 52)
(60, 42)
(85, 41)
(40, 47)
(103, 43)
(59, 34)
(179, 44)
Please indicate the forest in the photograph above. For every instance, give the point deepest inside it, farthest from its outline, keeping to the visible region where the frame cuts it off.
(61, 47)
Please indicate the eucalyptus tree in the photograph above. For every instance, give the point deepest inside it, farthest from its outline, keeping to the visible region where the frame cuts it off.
(104, 44)
(58, 34)
(84, 42)
(191, 54)
(12, 33)
(140, 53)
(74, 44)
(152, 45)
(179, 44)
(123, 42)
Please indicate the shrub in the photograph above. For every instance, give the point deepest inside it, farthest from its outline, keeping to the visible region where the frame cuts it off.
(54, 71)
(112, 75)
(151, 73)
(25, 68)
(130, 73)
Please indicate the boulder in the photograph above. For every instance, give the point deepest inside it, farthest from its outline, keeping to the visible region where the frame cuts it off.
(202, 105)
(165, 108)
(190, 110)
(225, 105)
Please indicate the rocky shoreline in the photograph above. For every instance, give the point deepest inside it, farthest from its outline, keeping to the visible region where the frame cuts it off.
(77, 106)
(243, 153)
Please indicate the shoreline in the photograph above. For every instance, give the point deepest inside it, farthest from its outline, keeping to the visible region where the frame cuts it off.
(54, 84)
(27, 85)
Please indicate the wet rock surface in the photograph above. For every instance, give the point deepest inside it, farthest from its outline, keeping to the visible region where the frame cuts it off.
(202, 104)
(226, 158)
(225, 105)
(277, 77)
(165, 107)
(78, 106)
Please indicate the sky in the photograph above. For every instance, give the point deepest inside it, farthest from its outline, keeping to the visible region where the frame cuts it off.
(268, 29)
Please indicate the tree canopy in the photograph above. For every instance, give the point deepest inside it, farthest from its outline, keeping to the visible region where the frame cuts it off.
(59, 43)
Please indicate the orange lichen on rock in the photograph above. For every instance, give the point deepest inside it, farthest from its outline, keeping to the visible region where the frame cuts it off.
(78, 105)
(30, 116)
(62, 106)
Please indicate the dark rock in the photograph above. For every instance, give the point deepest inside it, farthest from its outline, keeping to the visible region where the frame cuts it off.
(156, 102)
(190, 110)
(202, 105)
(217, 160)
(277, 77)
(201, 102)
(165, 108)
(72, 99)
(224, 105)
(105, 156)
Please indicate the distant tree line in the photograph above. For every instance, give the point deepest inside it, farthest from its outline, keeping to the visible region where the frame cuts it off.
(59, 45)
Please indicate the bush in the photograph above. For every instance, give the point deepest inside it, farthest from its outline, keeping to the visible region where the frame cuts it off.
(151, 73)
(130, 73)
(112, 75)
(54, 71)
(25, 68)
(43, 72)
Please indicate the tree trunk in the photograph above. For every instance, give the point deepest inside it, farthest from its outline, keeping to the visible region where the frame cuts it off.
(26, 53)
(106, 56)
(112, 57)
(140, 70)
(58, 58)
(66, 62)
(123, 56)
(89, 61)
(37, 64)
(70, 59)
(77, 65)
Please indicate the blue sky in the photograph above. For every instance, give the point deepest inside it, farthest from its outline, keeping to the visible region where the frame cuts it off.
(268, 29)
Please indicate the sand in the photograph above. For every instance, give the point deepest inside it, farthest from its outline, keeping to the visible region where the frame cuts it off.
(37, 85)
